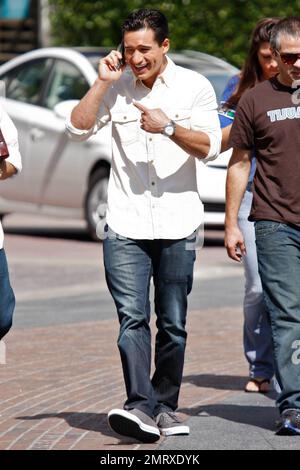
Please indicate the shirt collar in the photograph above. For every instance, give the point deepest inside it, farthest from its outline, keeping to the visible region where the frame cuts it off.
(167, 76)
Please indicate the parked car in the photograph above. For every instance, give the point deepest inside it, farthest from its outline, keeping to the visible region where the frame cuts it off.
(69, 179)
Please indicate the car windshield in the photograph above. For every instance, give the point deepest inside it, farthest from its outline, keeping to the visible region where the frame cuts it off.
(218, 78)
(219, 82)
(94, 58)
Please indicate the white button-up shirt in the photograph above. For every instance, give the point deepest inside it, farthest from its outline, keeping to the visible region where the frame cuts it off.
(152, 191)
(10, 135)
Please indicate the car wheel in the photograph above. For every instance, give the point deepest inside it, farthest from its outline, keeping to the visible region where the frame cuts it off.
(96, 203)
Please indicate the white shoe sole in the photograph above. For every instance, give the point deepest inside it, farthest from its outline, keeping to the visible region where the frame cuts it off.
(127, 424)
(177, 430)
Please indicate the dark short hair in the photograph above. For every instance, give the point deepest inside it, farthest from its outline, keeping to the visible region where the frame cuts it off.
(147, 18)
(289, 26)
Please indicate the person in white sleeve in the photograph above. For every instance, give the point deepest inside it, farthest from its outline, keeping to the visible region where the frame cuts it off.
(8, 167)
(164, 121)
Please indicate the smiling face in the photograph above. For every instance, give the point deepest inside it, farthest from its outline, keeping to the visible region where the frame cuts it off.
(288, 74)
(144, 55)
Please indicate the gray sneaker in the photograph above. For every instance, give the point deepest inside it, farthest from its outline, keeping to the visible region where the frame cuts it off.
(169, 424)
(133, 423)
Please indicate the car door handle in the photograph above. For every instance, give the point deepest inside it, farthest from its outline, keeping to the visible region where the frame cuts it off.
(36, 134)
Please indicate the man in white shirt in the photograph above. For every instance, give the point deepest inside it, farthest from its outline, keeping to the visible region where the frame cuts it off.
(164, 120)
(8, 167)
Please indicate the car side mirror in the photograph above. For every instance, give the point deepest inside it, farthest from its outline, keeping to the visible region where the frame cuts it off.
(64, 108)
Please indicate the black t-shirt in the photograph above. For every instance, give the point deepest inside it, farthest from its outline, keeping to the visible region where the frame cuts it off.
(267, 120)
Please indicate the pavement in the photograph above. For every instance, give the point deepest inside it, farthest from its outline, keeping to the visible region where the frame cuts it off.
(59, 384)
(62, 377)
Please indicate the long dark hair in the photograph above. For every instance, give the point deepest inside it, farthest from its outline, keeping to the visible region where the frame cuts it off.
(252, 73)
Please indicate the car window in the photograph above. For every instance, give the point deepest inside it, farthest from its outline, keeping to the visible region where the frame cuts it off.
(218, 79)
(202, 65)
(67, 83)
(94, 58)
(24, 83)
(219, 82)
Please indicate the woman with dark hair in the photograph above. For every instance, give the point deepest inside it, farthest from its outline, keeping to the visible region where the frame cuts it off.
(259, 65)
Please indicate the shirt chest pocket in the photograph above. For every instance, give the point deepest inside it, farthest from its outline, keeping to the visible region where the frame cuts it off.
(181, 116)
(127, 127)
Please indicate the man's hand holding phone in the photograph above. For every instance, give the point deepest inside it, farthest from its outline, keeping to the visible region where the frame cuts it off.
(122, 61)
(112, 66)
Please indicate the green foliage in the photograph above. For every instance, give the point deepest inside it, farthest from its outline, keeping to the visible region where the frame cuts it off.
(218, 27)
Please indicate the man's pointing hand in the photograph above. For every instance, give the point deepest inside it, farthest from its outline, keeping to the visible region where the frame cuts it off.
(152, 120)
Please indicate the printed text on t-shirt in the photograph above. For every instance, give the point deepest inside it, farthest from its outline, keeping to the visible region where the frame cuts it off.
(284, 113)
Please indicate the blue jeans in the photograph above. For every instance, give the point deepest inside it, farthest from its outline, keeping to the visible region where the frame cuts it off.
(278, 249)
(7, 298)
(258, 347)
(129, 265)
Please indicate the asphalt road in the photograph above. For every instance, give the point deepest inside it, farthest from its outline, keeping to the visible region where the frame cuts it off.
(59, 398)
(58, 278)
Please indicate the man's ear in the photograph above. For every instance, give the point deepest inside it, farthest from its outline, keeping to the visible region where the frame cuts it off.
(165, 45)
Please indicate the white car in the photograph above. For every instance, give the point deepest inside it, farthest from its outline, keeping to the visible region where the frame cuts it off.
(69, 179)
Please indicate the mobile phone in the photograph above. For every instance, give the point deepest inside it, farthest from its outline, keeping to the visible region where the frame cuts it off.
(122, 61)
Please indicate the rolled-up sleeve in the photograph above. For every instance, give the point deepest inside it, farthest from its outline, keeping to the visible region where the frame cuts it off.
(205, 118)
(10, 134)
(103, 117)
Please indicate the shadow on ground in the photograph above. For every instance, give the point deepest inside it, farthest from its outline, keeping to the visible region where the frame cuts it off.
(259, 416)
(95, 422)
(49, 232)
(223, 382)
(220, 382)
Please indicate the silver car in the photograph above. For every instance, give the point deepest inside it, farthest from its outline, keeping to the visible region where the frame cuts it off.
(69, 179)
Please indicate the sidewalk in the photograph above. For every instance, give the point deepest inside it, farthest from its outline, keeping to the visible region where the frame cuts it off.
(60, 382)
